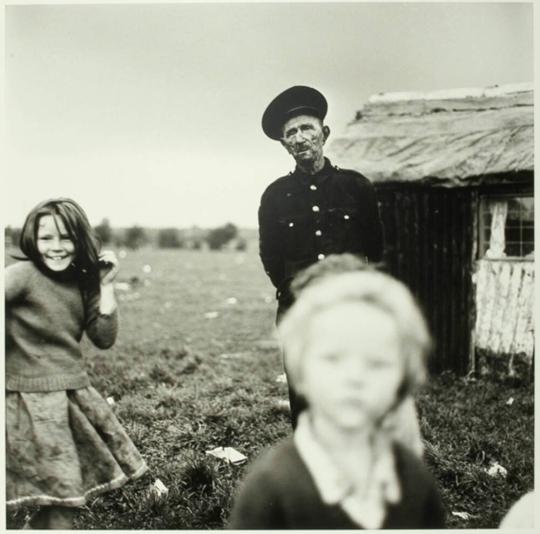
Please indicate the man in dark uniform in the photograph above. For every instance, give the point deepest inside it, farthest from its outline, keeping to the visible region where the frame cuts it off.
(316, 210)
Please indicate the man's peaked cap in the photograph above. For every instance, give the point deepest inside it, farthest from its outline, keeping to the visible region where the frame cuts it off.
(297, 100)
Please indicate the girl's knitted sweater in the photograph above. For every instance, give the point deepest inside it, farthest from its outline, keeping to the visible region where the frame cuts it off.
(45, 320)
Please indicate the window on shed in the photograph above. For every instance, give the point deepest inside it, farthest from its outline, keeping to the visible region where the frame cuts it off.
(507, 227)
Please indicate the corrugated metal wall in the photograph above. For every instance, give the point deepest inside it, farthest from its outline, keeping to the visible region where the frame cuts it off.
(429, 245)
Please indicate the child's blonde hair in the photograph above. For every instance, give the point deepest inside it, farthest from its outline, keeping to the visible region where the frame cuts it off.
(368, 287)
(329, 266)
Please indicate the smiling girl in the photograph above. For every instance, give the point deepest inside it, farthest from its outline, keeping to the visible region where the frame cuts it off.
(63, 442)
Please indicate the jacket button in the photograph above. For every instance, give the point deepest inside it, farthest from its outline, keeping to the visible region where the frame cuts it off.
(318, 232)
(313, 187)
(291, 224)
(315, 208)
(346, 217)
(320, 257)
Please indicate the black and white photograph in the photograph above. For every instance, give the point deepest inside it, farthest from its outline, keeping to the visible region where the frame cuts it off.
(268, 265)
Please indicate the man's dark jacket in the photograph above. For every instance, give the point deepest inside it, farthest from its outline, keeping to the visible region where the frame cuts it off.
(304, 218)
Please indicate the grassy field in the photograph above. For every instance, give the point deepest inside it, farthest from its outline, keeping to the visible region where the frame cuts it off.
(195, 367)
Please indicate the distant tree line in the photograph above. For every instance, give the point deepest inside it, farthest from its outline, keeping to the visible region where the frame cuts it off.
(136, 237)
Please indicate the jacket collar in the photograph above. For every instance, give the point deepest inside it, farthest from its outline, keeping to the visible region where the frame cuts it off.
(318, 177)
(363, 503)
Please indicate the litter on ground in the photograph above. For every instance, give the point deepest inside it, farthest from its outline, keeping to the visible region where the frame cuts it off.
(463, 515)
(228, 454)
(159, 490)
(147, 268)
(283, 405)
(281, 379)
(510, 401)
(122, 286)
(496, 469)
(233, 355)
(111, 401)
(211, 315)
(232, 300)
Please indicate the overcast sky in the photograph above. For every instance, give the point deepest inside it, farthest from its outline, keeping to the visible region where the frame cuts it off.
(150, 114)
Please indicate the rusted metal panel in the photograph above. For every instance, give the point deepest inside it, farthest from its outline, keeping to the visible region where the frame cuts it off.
(429, 238)
(504, 303)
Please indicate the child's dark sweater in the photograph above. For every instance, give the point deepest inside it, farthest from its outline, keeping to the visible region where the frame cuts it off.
(45, 321)
(279, 493)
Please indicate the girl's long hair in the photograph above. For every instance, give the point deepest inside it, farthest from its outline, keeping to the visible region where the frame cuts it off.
(87, 245)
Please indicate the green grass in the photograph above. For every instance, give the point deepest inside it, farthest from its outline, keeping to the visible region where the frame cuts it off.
(184, 384)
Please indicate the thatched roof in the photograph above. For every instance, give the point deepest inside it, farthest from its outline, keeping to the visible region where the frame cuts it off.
(455, 137)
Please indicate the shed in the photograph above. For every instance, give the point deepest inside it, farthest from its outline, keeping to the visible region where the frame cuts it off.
(454, 173)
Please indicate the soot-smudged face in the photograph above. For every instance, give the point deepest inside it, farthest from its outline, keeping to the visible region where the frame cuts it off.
(304, 138)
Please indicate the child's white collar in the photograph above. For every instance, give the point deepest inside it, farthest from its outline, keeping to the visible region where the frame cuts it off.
(366, 505)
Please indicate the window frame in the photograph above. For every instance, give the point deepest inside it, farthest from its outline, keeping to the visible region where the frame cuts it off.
(483, 244)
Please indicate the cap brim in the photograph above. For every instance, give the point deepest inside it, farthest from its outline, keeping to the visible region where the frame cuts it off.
(297, 100)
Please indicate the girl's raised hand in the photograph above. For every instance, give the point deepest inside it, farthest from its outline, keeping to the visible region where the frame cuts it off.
(108, 267)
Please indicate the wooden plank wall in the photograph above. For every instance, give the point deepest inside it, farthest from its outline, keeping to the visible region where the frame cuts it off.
(429, 245)
(504, 303)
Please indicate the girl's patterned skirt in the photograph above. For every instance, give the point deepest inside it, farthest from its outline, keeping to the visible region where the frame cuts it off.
(63, 447)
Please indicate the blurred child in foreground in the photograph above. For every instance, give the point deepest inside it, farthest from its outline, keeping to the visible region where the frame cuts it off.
(403, 422)
(355, 347)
